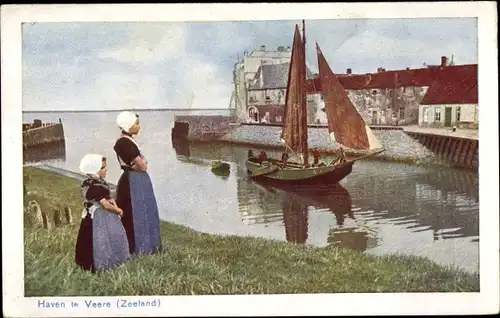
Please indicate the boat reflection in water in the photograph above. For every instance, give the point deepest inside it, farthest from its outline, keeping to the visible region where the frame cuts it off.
(182, 151)
(54, 152)
(295, 203)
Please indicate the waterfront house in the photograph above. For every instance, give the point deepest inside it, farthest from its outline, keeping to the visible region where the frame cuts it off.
(387, 97)
(267, 94)
(452, 100)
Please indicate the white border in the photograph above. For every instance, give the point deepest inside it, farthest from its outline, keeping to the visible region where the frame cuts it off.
(487, 301)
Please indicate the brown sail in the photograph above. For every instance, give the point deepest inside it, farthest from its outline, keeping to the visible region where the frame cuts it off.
(345, 124)
(294, 131)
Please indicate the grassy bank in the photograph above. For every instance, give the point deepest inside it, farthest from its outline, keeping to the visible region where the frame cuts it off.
(197, 263)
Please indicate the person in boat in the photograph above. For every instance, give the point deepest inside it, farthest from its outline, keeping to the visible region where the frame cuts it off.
(101, 242)
(135, 194)
(250, 154)
(284, 158)
(316, 157)
(262, 156)
(341, 158)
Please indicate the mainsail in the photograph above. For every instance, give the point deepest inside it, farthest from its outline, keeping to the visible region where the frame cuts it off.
(345, 124)
(294, 131)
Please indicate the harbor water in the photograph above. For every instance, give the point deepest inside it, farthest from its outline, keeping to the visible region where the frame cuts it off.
(380, 208)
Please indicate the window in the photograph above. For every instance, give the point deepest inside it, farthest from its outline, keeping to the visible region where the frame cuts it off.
(322, 97)
(426, 114)
(401, 113)
(374, 92)
(278, 119)
(458, 114)
(437, 116)
(390, 93)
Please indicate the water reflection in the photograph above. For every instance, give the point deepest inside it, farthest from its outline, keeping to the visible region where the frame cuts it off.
(181, 147)
(333, 198)
(55, 152)
(442, 202)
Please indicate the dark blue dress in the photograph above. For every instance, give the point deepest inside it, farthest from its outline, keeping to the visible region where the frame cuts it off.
(135, 196)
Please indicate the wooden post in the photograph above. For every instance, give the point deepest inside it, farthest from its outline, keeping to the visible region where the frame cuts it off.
(36, 213)
(67, 214)
(57, 217)
(46, 220)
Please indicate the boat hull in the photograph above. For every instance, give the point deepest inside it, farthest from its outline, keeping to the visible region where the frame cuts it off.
(302, 176)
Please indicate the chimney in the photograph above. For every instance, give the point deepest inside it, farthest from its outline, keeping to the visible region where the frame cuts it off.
(407, 68)
(349, 71)
(379, 70)
(262, 47)
(443, 61)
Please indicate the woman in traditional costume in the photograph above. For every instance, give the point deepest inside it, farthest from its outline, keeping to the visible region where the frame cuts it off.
(135, 194)
(102, 241)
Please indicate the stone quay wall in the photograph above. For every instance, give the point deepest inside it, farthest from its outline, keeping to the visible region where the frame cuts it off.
(399, 146)
(205, 127)
(46, 134)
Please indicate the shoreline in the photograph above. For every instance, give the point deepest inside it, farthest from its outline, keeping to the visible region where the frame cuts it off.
(196, 263)
(407, 144)
(421, 162)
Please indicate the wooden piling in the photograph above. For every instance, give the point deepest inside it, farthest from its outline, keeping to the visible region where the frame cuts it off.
(68, 215)
(57, 217)
(46, 220)
(457, 150)
(463, 153)
(35, 213)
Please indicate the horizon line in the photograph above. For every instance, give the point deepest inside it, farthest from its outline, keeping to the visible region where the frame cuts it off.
(116, 110)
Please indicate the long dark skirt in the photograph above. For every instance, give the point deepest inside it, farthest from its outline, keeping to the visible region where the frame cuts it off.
(102, 241)
(135, 196)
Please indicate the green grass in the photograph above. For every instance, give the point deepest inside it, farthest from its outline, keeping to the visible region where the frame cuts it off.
(194, 263)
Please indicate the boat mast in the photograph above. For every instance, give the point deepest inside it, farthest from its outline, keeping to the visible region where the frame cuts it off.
(305, 151)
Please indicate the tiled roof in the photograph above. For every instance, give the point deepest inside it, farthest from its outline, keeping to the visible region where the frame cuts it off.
(449, 82)
(273, 76)
(454, 85)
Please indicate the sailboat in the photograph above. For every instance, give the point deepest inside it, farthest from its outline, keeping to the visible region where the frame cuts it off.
(345, 125)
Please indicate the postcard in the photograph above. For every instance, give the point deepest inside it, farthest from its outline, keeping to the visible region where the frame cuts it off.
(250, 159)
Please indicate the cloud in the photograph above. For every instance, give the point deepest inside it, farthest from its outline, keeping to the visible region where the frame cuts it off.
(398, 43)
(139, 65)
(146, 46)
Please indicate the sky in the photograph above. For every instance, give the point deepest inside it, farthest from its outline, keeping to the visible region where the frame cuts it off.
(117, 65)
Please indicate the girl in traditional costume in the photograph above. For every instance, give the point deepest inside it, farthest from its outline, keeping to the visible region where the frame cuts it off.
(135, 194)
(102, 241)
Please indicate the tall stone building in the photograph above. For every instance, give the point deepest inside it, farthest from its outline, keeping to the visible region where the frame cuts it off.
(244, 73)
